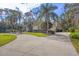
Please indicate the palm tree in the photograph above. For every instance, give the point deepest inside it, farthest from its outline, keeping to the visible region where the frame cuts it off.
(19, 14)
(47, 11)
(29, 20)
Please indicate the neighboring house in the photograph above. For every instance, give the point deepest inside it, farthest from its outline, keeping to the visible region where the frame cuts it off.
(37, 24)
(54, 26)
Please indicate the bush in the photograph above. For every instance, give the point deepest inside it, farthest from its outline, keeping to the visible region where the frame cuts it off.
(75, 40)
(77, 29)
(75, 35)
(51, 32)
(71, 29)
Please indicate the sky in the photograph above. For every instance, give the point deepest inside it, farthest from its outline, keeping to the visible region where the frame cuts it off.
(25, 7)
(60, 9)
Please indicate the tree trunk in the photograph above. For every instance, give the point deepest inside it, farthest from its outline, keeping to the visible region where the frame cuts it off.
(47, 25)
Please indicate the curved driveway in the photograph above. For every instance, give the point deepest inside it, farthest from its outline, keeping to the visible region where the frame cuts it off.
(28, 45)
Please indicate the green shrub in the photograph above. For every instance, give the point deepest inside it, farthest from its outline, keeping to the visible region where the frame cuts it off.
(75, 35)
(71, 29)
(75, 40)
(77, 29)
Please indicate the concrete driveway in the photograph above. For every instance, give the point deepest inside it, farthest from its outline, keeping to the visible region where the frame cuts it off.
(28, 45)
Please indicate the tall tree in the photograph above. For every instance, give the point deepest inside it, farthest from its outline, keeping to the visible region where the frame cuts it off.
(29, 20)
(12, 17)
(71, 15)
(47, 11)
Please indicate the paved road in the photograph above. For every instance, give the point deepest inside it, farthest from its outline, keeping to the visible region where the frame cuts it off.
(27, 45)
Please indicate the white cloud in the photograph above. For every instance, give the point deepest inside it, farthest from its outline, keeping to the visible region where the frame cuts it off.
(23, 7)
(7, 5)
(27, 7)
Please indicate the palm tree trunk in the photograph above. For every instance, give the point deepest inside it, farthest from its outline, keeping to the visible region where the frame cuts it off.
(47, 25)
(19, 22)
(39, 25)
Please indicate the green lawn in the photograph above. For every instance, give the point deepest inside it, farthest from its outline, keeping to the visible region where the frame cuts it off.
(6, 38)
(75, 40)
(36, 34)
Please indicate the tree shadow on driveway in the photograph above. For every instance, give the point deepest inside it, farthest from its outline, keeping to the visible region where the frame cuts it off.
(60, 37)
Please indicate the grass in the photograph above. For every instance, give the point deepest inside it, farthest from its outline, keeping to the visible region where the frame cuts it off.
(6, 38)
(75, 43)
(75, 35)
(36, 34)
(75, 40)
